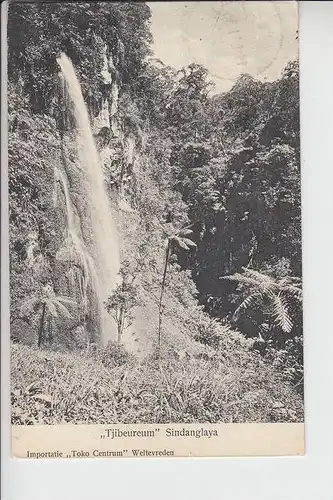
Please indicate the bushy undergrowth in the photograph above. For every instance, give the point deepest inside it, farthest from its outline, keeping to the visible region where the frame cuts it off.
(50, 387)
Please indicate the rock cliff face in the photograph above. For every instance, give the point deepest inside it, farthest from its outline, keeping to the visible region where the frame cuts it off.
(117, 146)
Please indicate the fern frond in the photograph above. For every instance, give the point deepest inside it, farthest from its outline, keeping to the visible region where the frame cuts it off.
(65, 312)
(185, 231)
(28, 306)
(270, 289)
(180, 242)
(189, 242)
(240, 278)
(284, 281)
(295, 292)
(294, 280)
(51, 308)
(265, 283)
(65, 300)
(249, 301)
(256, 274)
(280, 313)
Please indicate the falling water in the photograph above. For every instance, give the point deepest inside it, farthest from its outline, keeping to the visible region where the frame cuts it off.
(74, 250)
(104, 245)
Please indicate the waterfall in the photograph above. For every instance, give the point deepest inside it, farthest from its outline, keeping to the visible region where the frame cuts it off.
(104, 245)
(75, 252)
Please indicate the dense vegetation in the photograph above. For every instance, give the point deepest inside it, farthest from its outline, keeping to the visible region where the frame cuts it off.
(211, 236)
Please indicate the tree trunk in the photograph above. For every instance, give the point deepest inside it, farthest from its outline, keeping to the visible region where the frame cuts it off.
(41, 327)
(120, 325)
(230, 255)
(50, 329)
(167, 252)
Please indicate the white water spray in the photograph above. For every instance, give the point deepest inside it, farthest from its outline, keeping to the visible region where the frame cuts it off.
(105, 246)
(74, 250)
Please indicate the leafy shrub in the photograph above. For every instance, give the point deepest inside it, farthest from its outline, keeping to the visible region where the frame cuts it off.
(288, 361)
(209, 332)
(115, 354)
(124, 299)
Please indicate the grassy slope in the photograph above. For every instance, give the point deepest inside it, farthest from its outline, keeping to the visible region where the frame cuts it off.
(52, 387)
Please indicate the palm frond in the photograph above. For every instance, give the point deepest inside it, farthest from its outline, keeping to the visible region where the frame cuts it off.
(280, 313)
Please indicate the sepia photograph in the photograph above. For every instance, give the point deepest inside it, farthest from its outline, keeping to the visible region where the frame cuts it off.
(155, 237)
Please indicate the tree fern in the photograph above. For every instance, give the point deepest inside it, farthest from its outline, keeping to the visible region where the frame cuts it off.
(49, 303)
(295, 292)
(248, 302)
(281, 314)
(177, 236)
(274, 296)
